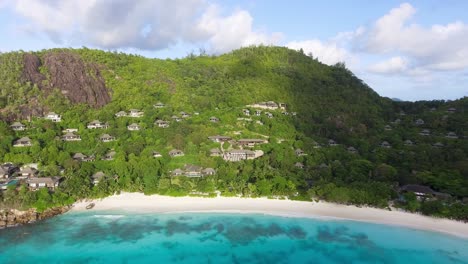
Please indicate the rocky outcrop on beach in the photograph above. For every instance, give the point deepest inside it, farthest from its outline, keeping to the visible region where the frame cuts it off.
(13, 217)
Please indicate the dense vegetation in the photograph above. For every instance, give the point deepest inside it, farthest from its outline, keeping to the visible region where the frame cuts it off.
(331, 103)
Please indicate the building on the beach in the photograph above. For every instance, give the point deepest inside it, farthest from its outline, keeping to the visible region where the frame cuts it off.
(176, 153)
(23, 142)
(17, 126)
(97, 177)
(36, 183)
(53, 117)
(193, 171)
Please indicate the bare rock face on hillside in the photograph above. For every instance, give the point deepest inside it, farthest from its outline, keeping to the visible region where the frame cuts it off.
(80, 82)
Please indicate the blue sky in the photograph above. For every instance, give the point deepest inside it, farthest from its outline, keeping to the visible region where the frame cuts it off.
(412, 50)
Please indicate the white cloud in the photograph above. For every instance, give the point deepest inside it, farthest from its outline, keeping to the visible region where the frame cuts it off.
(233, 31)
(390, 66)
(143, 24)
(328, 53)
(438, 48)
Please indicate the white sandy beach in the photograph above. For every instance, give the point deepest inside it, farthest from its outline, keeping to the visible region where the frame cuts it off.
(137, 202)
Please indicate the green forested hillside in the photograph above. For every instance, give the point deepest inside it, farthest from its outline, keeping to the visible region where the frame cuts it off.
(329, 102)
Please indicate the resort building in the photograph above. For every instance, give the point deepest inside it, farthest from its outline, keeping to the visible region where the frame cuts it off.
(332, 143)
(451, 135)
(184, 115)
(121, 114)
(23, 142)
(408, 142)
(162, 123)
(419, 122)
(106, 138)
(214, 119)
(219, 138)
(135, 113)
(53, 117)
(27, 172)
(352, 150)
(215, 152)
(238, 155)
(133, 127)
(299, 165)
(97, 177)
(109, 155)
(385, 144)
(43, 182)
(176, 153)
(70, 136)
(159, 105)
(300, 152)
(96, 124)
(425, 132)
(251, 142)
(156, 154)
(452, 110)
(176, 118)
(193, 171)
(17, 126)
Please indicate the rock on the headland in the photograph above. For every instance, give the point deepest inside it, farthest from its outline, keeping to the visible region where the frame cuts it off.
(13, 217)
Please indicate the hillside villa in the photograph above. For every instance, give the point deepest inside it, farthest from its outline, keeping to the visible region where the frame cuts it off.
(193, 171)
(43, 182)
(251, 142)
(121, 114)
(17, 126)
(158, 105)
(70, 136)
(238, 155)
(96, 124)
(106, 138)
(219, 138)
(53, 117)
(23, 142)
(133, 127)
(176, 153)
(135, 113)
(161, 123)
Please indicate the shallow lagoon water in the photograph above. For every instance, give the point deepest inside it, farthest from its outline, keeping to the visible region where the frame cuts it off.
(121, 237)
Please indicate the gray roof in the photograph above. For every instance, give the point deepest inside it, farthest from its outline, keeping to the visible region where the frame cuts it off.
(417, 188)
(46, 180)
(98, 175)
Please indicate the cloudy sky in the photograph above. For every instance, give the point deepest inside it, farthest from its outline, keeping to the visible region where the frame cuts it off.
(410, 50)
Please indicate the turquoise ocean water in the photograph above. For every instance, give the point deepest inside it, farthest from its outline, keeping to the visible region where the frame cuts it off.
(118, 237)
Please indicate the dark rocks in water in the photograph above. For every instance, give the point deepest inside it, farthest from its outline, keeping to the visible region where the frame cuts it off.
(12, 217)
(78, 81)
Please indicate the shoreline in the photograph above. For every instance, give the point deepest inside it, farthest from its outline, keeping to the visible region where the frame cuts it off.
(140, 203)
